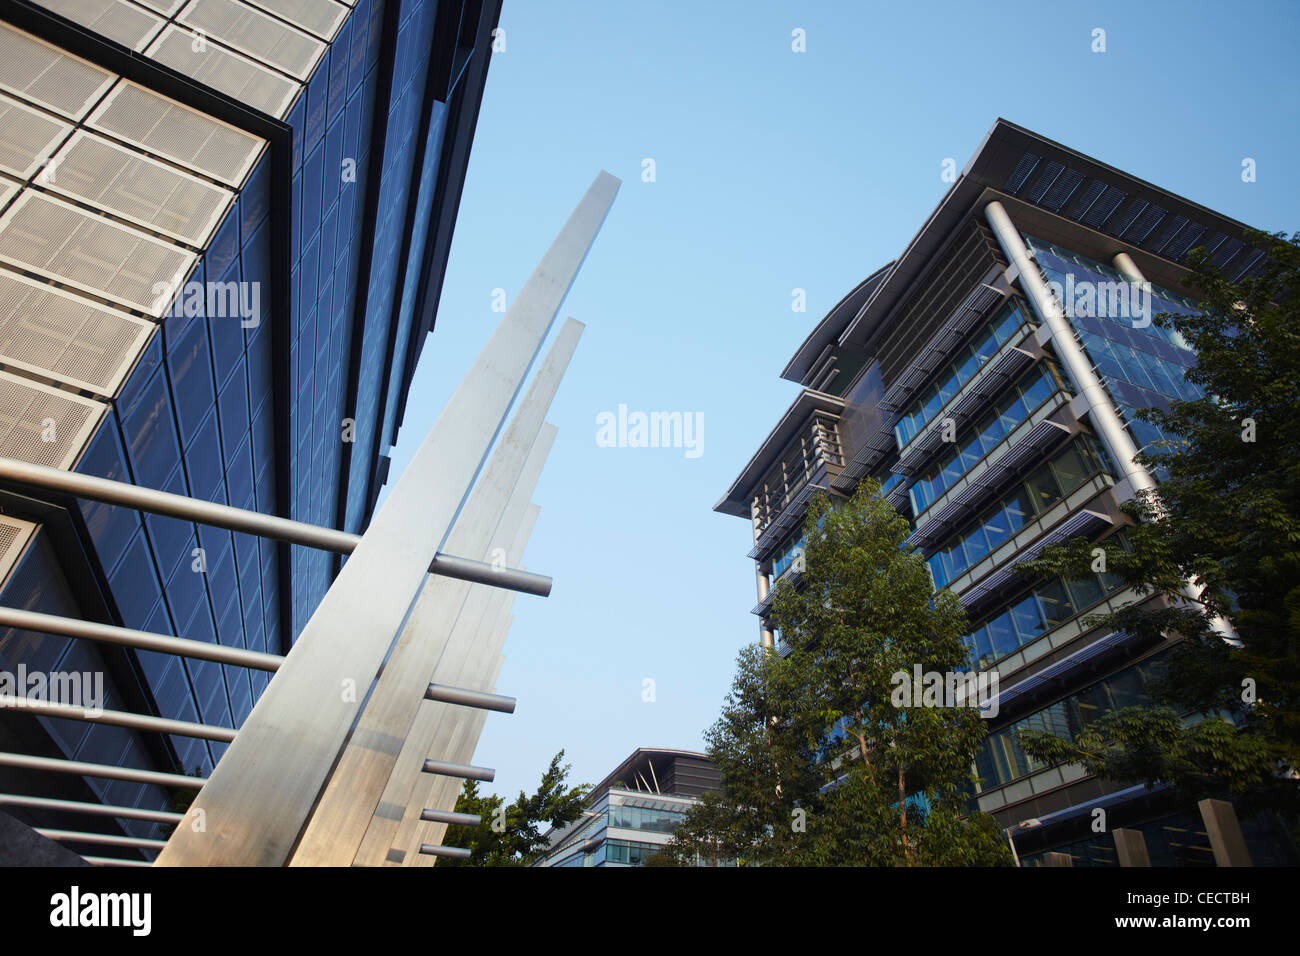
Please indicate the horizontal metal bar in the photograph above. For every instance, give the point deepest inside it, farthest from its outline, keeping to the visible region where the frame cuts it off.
(253, 522)
(93, 809)
(462, 770)
(114, 861)
(57, 765)
(100, 839)
(448, 852)
(451, 818)
(481, 572)
(470, 698)
(142, 640)
(162, 725)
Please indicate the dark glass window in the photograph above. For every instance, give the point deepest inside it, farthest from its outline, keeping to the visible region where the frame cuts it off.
(134, 584)
(110, 527)
(191, 375)
(151, 435)
(203, 461)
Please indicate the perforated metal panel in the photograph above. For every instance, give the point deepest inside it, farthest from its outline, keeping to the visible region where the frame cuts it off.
(56, 239)
(44, 425)
(142, 190)
(14, 535)
(27, 137)
(7, 191)
(115, 19)
(169, 129)
(251, 31)
(321, 17)
(65, 337)
(224, 70)
(35, 71)
(167, 7)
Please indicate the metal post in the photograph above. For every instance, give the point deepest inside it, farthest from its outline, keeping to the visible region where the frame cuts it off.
(58, 765)
(470, 698)
(262, 793)
(93, 809)
(100, 839)
(141, 640)
(447, 852)
(1105, 417)
(464, 771)
(253, 522)
(452, 819)
(114, 861)
(162, 725)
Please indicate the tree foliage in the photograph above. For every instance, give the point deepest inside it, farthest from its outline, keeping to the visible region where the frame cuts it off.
(1226, 518)
(512, 834)
(818, 765)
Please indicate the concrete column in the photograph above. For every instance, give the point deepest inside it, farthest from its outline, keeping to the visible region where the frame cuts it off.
(1224, 830)
(1105, 417)
(1131, 847)
(764, 633)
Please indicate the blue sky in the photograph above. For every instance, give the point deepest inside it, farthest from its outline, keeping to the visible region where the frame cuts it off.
(774, 170)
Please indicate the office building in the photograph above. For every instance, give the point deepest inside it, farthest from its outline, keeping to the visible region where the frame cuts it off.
(223, 232)
(633, 812)
(988, 379)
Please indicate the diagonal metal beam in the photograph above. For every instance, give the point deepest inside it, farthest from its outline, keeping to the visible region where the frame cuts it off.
(434, 728)
(441, 626)
(261, 794)
(458, 728)
(355, 788)
(251, 522)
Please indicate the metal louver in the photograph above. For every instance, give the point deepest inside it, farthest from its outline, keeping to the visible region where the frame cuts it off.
(64, 337)
(169, 129)
(44, 425)
(43, 74)
(224, 70)
(27, 137)
(57, 239)
(116, 19)
(141, 190)
(251, 31)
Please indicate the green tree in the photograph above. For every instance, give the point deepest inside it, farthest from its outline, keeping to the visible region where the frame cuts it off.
(511, 834)
(1226, 518)
(821, 763)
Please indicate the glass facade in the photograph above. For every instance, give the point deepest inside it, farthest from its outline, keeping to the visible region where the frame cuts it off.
(970, 357)
(1002, 761)
(201, 409)
(1024, 398)
(1140, 364)
(1056, 478)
